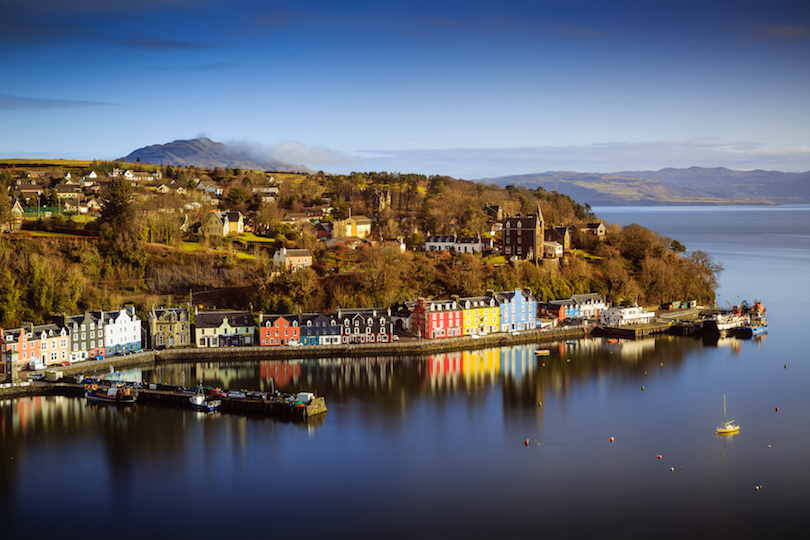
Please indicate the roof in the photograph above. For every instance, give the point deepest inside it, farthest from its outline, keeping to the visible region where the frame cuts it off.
(213, 319)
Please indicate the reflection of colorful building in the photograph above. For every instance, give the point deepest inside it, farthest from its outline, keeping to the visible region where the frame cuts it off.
(445, 369)
(481, 365)
(436, 319)
(284, 374)
(480, 315)
(517, 362)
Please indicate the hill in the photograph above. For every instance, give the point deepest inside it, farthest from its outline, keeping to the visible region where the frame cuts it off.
(696, 185)
(207, 154)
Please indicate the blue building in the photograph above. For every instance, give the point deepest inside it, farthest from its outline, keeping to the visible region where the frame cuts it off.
(318, 329)
(518, 310)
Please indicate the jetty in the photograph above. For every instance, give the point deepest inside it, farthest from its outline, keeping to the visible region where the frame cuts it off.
(277, 405)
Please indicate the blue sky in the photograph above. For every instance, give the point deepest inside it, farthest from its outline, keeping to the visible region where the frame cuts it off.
(470, 89)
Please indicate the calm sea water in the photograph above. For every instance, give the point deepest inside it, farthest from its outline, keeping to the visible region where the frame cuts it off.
(435, 447)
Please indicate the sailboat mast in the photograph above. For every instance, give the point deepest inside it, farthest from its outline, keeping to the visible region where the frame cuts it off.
(724, 408)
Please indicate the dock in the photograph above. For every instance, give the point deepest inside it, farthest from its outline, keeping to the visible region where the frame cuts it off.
(280, 406)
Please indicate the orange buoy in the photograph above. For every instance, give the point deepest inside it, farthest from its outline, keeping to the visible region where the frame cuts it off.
(777, 409)
(527, 442)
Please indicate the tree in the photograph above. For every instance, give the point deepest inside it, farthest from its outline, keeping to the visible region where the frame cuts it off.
(116, 202)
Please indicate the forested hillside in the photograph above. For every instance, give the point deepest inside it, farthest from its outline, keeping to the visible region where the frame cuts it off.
(136, 251)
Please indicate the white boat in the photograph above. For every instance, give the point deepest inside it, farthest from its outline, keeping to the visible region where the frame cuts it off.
(728, 426)
(723, 324)
(201, 402)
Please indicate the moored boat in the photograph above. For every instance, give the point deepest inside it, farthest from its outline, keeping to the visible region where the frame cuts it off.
(756, 326)
(202, 402)
(109, 391)
(728, 426)
(723, 324)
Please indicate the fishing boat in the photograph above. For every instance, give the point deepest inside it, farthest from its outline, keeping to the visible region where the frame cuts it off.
(756, 326)
(723, 324)
(202, 402)
(542, 352)
(110, 391)
(728, 426)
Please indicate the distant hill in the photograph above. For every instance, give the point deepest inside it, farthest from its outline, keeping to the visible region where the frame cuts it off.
(205, 153)
(695, 185)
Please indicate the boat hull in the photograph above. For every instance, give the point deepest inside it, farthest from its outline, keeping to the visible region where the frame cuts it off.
(117, 399)
(201, 403)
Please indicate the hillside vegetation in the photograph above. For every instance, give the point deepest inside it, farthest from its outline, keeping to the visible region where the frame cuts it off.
(135, 252)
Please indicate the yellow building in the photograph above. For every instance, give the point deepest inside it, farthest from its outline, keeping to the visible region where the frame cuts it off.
(352, 227)
(480, 315)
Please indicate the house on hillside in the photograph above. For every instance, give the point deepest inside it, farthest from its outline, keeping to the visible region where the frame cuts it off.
(352, 227)
(523, 236)
(596, 229)
(221, 223)
(16, 215)
(292, 259)
(434, 319)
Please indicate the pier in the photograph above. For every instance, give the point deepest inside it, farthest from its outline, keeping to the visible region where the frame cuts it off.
(279, 406)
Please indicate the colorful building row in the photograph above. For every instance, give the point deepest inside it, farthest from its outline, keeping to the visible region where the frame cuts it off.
(71, 338)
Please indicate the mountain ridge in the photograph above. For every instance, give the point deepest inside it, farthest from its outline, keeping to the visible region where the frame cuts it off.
(693, 185)
(204, 153)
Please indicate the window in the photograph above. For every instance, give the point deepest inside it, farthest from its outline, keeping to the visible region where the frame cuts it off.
(44, 346)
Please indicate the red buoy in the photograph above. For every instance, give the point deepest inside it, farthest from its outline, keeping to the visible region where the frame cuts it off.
(611, 439)
(659, 456)
(777, 409)
(527, 442)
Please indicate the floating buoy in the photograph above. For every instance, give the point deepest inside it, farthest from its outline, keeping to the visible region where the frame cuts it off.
(757, 488)
(611, 439)
(544, 364)
(672, 468)
(662, 363)
(659, 456)
(769, 446)
(539, 403)
(527, 442)
(785, 366)
(777, 409)
(642, 388)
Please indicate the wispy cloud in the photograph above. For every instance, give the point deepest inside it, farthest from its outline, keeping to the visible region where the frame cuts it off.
(298, 153)
(10, 103)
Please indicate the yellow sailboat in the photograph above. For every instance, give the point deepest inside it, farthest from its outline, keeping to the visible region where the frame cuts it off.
(728, 426)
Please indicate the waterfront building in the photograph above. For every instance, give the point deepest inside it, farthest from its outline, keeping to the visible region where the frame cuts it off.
(436, 318)
(122, 331)
(54, 344)
(86, 335)
(622, 316)
(480, 315)
(319, 329)
(24, 342)
(459, 244)
(517, 310)
(275, 330)
(224, 329)
(373, 325)
(169, 327)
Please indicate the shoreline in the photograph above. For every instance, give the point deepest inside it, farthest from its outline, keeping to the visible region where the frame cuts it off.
(408, 347)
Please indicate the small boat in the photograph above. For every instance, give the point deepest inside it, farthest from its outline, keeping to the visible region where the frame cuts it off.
(728, 426)
(613, 340)
(202, 402)
(109, 391)
(542, 352)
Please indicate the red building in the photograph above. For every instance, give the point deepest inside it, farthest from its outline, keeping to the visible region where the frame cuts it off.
(434, 319)
(277, 330)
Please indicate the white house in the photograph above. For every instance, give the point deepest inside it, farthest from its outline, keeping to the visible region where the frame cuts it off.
(122, 331)
(622, 316)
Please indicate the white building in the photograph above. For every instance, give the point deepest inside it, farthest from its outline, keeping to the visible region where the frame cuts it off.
(622, 316)
(122, 331)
